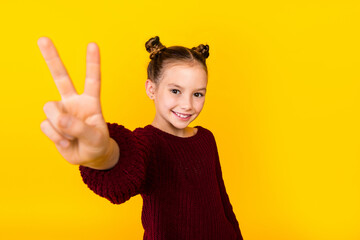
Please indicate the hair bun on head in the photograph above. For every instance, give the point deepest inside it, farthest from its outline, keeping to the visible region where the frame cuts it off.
(154, 46)
(202, 49)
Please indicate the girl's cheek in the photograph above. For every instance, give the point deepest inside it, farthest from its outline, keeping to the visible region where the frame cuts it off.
(200, 104)
(171, 101)
(168, 103)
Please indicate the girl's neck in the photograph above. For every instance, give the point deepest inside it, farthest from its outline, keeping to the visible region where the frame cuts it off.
(184, 133)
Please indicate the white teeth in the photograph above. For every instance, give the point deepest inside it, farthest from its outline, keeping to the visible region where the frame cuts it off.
(180, 115)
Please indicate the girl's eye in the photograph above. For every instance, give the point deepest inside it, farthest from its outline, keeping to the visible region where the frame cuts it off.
(196, 94)
(174, 90)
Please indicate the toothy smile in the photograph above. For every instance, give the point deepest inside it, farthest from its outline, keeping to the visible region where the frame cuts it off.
(185, 116)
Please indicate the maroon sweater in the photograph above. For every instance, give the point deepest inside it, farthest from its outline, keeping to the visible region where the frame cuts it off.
(179, 179)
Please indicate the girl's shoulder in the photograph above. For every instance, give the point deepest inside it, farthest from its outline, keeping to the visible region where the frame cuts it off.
(144, 134)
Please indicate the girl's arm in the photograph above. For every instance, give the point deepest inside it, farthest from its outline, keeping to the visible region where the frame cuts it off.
(127, 177)
(77, 127)
(75, 123)
(109, 160)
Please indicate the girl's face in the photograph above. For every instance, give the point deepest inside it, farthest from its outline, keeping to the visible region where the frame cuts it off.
(179, 97)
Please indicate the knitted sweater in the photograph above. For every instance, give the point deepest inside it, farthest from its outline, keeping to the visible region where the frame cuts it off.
(179, 179)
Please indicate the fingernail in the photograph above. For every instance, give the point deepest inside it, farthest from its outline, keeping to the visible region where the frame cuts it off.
(65, 121)
(64, 143)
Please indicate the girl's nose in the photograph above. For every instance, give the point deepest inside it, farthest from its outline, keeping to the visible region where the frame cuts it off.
(186, 103)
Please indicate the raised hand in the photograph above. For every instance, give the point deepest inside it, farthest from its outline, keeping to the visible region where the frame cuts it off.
(76, 124)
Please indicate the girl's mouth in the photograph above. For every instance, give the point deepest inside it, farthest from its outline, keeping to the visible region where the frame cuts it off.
(182, 116)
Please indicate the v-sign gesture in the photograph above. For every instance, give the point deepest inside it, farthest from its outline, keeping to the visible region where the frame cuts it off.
(84, 137)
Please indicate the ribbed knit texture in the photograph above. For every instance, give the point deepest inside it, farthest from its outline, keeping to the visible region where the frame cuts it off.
(179, 179)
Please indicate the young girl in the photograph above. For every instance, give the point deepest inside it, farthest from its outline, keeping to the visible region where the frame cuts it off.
(174, 167)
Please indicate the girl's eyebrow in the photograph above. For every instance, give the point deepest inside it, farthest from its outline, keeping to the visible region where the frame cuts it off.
(175, 85)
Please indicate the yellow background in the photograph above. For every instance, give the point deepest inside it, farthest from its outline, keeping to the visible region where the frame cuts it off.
(283, 104)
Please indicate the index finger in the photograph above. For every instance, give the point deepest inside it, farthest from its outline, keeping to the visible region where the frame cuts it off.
(57, 68)
(92, 81)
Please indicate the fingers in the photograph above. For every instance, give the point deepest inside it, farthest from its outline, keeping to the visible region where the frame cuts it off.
(57, 68)
(80, 130)
(54, 136)
(69, 127)
(92, 81)
(54, 111)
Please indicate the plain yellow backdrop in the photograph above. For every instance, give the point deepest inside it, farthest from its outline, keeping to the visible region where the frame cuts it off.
(283, 104)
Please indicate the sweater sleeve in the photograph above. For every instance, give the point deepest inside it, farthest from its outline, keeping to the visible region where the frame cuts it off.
(225, 198)
(127, 178)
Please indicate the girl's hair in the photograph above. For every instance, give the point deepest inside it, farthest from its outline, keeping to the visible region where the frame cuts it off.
(161, 56)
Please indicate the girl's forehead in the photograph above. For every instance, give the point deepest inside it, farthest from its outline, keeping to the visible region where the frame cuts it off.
(184, 72)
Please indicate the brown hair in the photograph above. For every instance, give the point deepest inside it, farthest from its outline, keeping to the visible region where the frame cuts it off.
(161, 56)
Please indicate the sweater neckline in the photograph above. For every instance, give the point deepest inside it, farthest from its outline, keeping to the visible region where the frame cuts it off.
(176, 138)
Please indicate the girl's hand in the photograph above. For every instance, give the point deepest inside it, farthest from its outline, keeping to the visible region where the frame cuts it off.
(84, 137)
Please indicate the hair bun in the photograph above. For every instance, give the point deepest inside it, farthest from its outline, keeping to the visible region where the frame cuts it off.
(154, 46)
(202, 49)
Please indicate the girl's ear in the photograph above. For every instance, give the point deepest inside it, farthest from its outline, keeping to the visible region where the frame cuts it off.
(150, 88)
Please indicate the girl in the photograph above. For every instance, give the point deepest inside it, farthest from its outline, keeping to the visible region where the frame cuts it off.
(174, 167)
